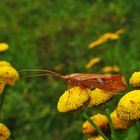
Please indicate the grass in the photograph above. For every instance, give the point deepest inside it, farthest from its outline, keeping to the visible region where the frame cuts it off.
(43, 34)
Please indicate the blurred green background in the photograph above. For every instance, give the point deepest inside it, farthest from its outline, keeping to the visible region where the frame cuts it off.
(44, 34)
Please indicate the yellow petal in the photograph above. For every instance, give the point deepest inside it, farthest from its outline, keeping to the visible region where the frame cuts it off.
(135, 79)
(4, 132)
(109, 69)
(92, 62)
(3, 47)
(72, 99)
(99, 96)
(129, 106)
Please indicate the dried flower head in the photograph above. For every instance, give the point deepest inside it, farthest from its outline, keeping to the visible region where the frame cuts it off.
(96, 138)
(135, 79)
(99, 96)
(92, 62)
(4, 132)
(129, 106)
(9, 75)
(2, 86)
(4, 63)
(99, 119)
(73, 99)
(120, 123)
(3, 47)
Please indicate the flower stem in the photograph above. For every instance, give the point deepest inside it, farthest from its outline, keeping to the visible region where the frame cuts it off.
(95, 126)
(113, 134)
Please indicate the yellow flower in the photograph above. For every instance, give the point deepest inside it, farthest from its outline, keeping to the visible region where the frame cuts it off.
(3, 47)
(109, 69)
(58, 67)
(120, 123)
(4, 63)
(96, 138)
(4, 132)
(106, 37)
(129, 106)
(121, 31)
(99, 119)
(73, 99)
(2, 86)
(9, 75)
(99, 96)
(135, 79)
(92, 62)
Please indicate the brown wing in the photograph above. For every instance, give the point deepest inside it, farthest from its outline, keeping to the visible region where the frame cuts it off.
(112, 83)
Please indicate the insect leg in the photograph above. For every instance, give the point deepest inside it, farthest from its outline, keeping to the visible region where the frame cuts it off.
(69, 86)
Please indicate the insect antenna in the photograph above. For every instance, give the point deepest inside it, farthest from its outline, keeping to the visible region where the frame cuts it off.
(48, 72)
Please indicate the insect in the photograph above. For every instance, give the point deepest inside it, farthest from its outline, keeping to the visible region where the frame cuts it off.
(111, 83)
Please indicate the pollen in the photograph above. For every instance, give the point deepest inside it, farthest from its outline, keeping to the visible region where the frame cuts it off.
(129, 106)
(99, 96)
(135, 79)
(120, 123)
(92, 62)
(99, 119)
(9, 75)
(96, 138)
(4, 132)
(3, 47)
(73, 99)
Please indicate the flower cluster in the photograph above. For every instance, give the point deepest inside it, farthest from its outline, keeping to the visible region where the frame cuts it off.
(8, 76)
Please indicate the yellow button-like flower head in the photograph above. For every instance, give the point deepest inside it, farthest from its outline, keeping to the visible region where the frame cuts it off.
(129, 106)
(4, 63)
(99, 96)
(96, 138)
(135, 79)
(3, 47)
(99, 119)
(120, 123)
(9, 75)
(4, 132)
(73, 99)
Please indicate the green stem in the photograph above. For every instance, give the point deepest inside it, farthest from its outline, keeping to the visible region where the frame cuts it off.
(113, 134)
(95, 126)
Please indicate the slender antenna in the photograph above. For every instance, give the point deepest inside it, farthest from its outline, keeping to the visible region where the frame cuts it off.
(39, 70)
(39, 75)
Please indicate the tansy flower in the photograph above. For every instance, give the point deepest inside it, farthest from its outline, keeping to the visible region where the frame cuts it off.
(99, 119)
(99, 96)
(2, 86)
(129, 106)
(3, 47)
(96, 138)
(105, 37)
(4, 63)
(73, 99)
(4, 132)
(120, 123)
(9, 75)
(135, 79)
(109, 69)
(58, 67)
(92, 62)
